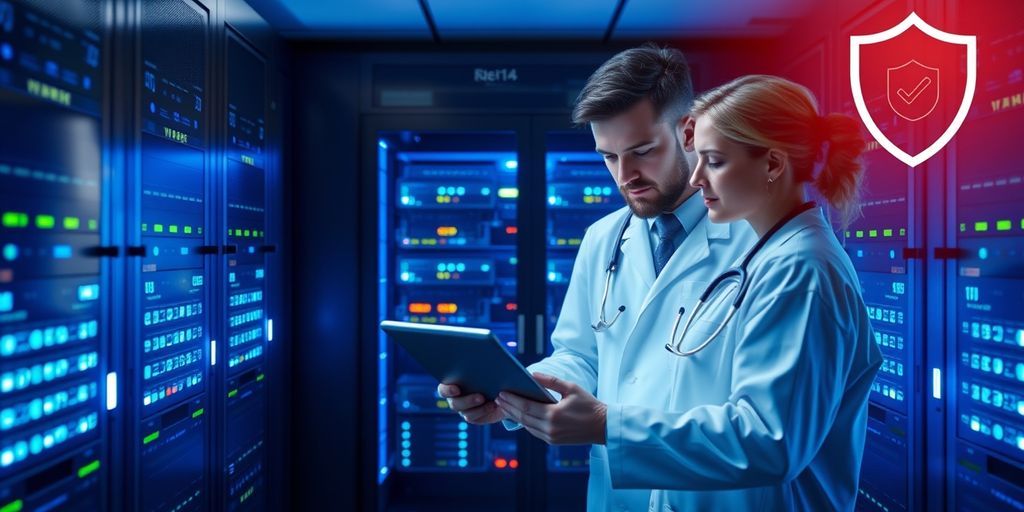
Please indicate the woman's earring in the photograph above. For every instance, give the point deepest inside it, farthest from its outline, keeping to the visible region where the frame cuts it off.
(771, 180)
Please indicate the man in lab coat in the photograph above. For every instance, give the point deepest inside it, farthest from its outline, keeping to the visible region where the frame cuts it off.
(637, 105)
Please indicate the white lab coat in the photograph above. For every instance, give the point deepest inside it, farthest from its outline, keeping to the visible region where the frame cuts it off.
(628, 364)
(772, 414)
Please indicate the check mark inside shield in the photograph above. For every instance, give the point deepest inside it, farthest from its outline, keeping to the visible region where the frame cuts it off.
(918, 89)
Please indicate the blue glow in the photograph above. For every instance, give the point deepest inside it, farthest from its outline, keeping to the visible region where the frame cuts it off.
(10, 252)
(88, 292)
(87, 83)
(382, 144)
(486, 191)
(587, 191)
(7, 51)
(511, 164)
(983, 253)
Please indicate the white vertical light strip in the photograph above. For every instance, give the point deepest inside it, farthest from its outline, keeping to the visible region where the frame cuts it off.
(213, 352)
(937, 383)
(111, 391)
(270, 329)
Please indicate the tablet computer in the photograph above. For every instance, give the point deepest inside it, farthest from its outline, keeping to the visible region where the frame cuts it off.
(472, 359)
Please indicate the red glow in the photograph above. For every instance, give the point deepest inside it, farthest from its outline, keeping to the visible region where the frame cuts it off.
(513, 464)
(500, 463)
(511, 306)
(511, 230)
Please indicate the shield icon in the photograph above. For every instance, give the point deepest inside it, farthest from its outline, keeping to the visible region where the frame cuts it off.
(912, 89)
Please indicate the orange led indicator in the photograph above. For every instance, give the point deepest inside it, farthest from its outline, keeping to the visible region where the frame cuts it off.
(447, 308)
(419, 307)
(500, 463)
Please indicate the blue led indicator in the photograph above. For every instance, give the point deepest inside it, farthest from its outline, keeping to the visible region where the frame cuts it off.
(440, 267)
(463, 425)
(62, 252)
(87, 83)
(461, 267)
(156, 251)
(382, 144)
(406, 462)
(451, 191)
(463, 463)
(7, 51)
(88, 292)
(152, 107)
(10, 252)
(486, 191)
(892, 254)
(983, 253)
(587, 191)
(487, 268)
(460, 191)
(607, 191)
(406, 425)
(511, 164)
(440, 191)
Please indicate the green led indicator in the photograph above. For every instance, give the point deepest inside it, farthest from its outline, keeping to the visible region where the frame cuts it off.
(247, 232)
(873, 233)
(232, 393)
(45, 221)
(198, 413)
(88, 469)
(145, 227)
(981, 226)
(15, 220)
(93, 225)
(173, 228)
(887, 232)
(13, 506)
(903, 231)
(963, 227)
(1003, 225)
(860, 233)
(260, 377)
(71, 223)
(848, 234)
(188, 230)
(158, 228)
(152, 437)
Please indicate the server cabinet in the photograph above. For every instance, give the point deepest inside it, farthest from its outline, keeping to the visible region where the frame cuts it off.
(244, 298)
(169, 264)
(985, 217)
(54, 328)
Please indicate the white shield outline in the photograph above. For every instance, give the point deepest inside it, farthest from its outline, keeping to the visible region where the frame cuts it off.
(858, 96)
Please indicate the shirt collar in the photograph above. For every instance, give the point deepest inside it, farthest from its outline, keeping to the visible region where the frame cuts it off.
(689, 213)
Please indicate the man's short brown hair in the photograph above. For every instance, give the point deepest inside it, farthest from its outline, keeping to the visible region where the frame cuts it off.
(659, 74)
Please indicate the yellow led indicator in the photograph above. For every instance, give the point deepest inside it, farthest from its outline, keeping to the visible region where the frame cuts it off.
(447, 231)
(175, 135)
(71, 223)
(1003, 225)
(981, 226)
(508, 193)
(45, 221)
(447, 308)
(248, 160)
(442, 404)
(49, 92)
(887, 232)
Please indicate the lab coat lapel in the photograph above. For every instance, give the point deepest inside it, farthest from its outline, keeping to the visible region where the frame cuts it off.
(695, 248)
(637, 264)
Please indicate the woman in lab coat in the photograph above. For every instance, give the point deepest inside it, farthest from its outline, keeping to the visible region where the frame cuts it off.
(770, 413)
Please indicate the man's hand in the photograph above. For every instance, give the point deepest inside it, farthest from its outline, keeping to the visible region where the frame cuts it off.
(473, 408)
(578, 418)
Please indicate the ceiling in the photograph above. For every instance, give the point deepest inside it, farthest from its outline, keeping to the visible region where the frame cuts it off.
(596, 20)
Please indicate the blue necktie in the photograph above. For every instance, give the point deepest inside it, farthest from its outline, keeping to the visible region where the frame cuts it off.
(667, 226)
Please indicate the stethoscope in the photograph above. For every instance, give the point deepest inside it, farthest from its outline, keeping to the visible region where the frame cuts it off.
(739, 273)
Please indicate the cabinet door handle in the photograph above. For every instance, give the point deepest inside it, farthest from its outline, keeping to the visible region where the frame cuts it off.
(521, 334)
(540, 334)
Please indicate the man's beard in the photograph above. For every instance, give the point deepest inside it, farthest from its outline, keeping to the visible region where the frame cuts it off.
(667, 194)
